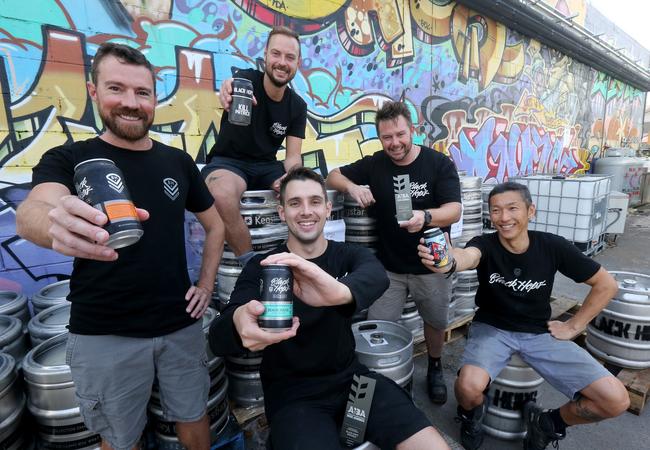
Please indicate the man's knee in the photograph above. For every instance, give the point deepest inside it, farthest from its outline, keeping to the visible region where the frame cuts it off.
(609, 395)
(471, 382)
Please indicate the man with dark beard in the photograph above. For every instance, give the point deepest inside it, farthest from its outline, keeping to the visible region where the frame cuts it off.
(134, 314)
(435, 195)
(244, 157)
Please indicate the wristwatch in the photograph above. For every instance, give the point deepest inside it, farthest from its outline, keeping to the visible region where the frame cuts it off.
(427, 217)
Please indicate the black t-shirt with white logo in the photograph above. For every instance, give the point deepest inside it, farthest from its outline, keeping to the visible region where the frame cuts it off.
(271, 122)
(142, 293)
(434, 182)
(320, 359)
(514, 290)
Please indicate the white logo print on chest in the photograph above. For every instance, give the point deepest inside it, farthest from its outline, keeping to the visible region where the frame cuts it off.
(419, 189)
(170, 186)
(517, 285)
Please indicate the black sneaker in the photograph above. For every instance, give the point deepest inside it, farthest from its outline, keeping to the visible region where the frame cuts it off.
(539, 433)
(471, 430)
(436, 387)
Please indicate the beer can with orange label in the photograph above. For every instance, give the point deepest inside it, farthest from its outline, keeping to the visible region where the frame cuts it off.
(100, 183)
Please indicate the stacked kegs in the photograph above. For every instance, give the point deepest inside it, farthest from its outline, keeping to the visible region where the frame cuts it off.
(335, 226)
(411, 320)
(49, 323)
(485, 193)
(51, 398)
(217, 408)
(511, 389)
(472, 210)
(15, 305)
(12, 406)
(245, 385)
(13, 339)
(464, 287)
(620, 334)
(50, 295)
(259, 211)
(387, 348)
(360, 228)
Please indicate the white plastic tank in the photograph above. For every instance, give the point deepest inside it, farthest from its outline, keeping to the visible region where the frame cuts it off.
(626, 171)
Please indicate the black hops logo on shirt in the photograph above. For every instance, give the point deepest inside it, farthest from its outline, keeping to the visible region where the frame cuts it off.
(170, 186)
(278, 130)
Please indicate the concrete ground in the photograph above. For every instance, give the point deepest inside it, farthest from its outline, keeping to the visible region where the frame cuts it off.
(630, 252)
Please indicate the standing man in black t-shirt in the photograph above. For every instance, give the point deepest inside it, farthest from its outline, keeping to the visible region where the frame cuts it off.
(244, 157)
(134, 315)
(435, 196)
(516, 268)
(307, 371)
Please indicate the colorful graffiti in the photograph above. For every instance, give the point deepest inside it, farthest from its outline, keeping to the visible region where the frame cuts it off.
(499, 103)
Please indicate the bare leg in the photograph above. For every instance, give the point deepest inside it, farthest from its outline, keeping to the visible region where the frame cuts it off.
(469, 387)
(603, 399)
(435, 339)
(227, 188)
(426, 439)
(194, 435)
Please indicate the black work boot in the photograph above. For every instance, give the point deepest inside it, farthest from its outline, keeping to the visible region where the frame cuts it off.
(436, 387)
(540, 431)
(471, 430)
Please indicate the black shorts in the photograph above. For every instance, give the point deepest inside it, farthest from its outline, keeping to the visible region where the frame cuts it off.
(315, 424)
(257, 174)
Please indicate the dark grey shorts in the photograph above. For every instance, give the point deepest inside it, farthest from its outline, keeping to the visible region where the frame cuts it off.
(431, 293)
(566, 366)
(257, 175)
(113, 376)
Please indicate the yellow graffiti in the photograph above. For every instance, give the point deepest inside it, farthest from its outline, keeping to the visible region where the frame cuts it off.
(301, 9)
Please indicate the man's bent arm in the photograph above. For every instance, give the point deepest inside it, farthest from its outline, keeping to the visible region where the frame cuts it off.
(445, 214)
(603, 289)
(293, 156)
(212, 246)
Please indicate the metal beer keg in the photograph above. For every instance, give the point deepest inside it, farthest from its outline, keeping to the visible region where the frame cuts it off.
(51, 295)
(335, 225)
(13, 340)
(51, 398)
(245, 385)
(515, 385)
(259, 208)
(49, 323)
(12, 406)
(620, 334)
(15, 305)
(387, 348)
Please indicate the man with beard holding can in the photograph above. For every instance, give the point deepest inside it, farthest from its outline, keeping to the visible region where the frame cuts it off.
(134, 315)
(307, 371)
(435, 195)
(244, 157)
(516, 268)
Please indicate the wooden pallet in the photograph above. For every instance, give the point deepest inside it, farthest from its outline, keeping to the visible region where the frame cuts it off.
(458, 329)
(637, 383)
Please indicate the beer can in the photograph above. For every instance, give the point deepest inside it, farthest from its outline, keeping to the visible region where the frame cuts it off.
(277, 298)
(100, 183)
(241, 106)
(434, 238)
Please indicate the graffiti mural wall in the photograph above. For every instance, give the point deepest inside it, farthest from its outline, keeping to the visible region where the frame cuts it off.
(498, 103)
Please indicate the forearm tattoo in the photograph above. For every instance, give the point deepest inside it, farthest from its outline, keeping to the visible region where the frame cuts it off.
(583, 411)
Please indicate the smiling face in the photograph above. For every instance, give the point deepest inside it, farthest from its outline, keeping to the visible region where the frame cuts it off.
(282, 57)
(510, 215)
(305, 209)
(396, 139)
(125, 99)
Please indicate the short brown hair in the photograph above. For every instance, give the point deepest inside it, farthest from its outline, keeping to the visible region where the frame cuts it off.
(301, 174)
(124, 54)
(391, 111)
(286, 31)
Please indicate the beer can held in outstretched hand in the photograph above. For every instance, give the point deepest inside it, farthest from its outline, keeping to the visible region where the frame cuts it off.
(100, 183)
(277, 298)
(241, 106)
(435, 240)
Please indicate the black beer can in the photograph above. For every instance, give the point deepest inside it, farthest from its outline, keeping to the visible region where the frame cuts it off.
(100, 183)
(277, 298)
(241, 107)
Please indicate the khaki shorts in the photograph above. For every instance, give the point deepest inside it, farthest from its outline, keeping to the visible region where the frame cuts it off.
(113, 376)
(431, 293)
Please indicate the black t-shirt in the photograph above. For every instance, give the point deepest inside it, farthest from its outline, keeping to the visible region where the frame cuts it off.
(320, 359)
(434, 182)
(142, 293)
(271, 122)
(514, 290)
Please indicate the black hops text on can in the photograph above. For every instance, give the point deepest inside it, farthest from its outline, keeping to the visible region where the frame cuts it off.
(435, 240)
(277, 298)
(241, 106)
(100, 183)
